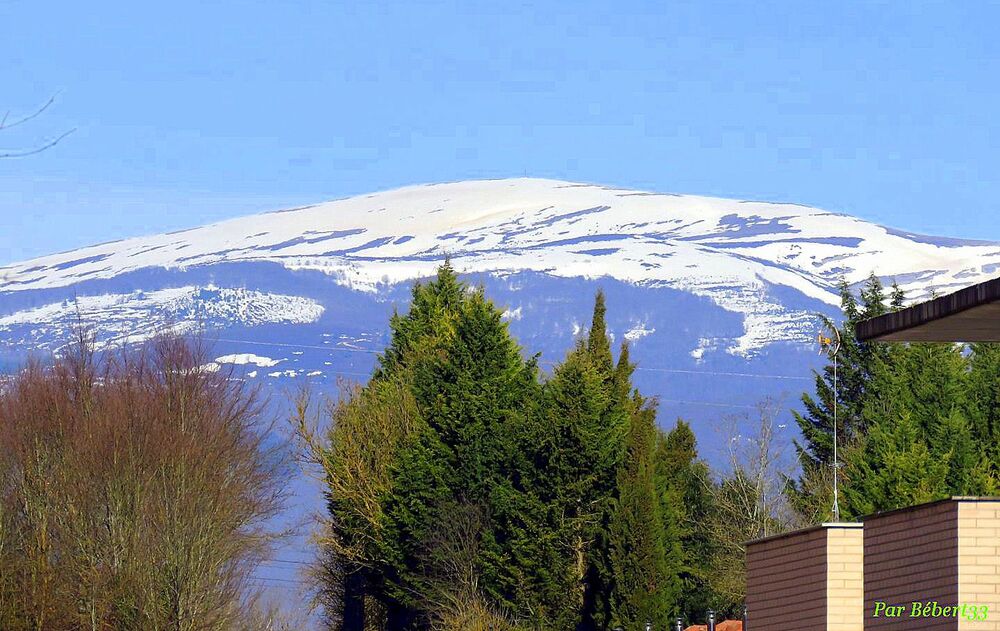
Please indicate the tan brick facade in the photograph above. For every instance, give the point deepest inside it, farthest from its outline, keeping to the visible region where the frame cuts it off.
(831, 577)
(979, 561)
(809, 579)
(845, 589)
(911, 555)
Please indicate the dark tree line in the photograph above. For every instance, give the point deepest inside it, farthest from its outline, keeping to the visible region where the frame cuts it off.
(466, 491)
(918, 422)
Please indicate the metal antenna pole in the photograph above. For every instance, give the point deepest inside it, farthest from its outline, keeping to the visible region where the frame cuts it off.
(836, 462)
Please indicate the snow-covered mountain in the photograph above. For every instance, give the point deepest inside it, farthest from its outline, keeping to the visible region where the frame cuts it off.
(703, 287)
(718, 298)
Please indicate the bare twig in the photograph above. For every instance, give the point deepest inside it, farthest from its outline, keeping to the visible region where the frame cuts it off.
(21, 121)
(20, 153)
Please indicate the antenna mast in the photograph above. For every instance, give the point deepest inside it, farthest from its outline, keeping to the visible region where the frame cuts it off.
(833, 345)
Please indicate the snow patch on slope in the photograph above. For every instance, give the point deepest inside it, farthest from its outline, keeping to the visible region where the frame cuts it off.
(248, 358)
(638, 331)
(137, 316)
(511, 314)
(735, 253)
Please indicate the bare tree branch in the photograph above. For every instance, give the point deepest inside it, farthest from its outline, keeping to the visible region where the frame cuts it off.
(27, 118)
(20, 153)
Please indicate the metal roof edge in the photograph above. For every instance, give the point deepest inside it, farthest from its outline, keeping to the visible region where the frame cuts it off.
(830, 525)
(916, 507)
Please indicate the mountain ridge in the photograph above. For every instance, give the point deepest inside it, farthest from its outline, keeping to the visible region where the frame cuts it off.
(747, 257)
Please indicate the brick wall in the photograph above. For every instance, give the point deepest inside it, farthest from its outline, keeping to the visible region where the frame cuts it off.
(911, 555)
(831, 576)
(979, 561)
(809, 579)
(845, 578)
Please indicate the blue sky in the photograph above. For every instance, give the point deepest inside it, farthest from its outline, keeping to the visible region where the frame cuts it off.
(188, 112)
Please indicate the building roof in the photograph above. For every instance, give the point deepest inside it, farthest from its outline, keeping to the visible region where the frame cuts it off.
(860, 523)
(968, 315)
(916, 507)
(794, 533)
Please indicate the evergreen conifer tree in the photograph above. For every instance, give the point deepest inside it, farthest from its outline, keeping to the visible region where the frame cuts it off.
(685, 490)
(374, 432)
(474, 396)
(919, 416)
(902, 407)
(982, 405)
(811, 494)
(895, 468)
(577, 462)
(643, 587)
(615, 381)
(433, 308)
(598, 344)
(458, 481)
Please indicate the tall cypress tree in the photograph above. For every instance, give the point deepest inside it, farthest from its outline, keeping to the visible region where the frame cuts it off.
(576, 456)
(598, 344)
(599, 581)
(982, 404)
(372, 432)
(579, 448)
(643, 586)
(473, 394)
(684, 485)
(433, 308)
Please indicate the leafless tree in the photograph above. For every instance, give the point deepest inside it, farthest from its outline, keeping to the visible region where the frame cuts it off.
(135, 492)
(749, 502)
(364, 429)
(450, 585)
(6, 123)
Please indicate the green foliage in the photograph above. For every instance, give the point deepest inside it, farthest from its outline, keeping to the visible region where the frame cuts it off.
(919, 421)
(477, 438)
(576, 458)
(640, 583)
(812, 494)
(598, 344)
(685, 488)
(433, 309)
(474, 397)
(463, 490)
(982, 402)
(643, 586)
(896, 468)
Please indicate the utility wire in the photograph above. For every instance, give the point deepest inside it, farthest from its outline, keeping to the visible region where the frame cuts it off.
(278, 580)
(546, 361)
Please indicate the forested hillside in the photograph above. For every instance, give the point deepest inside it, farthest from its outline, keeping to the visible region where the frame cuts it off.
(465, 487)
(468, 490)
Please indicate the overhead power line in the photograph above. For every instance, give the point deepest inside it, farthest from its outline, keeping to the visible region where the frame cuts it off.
(549, 362)
(285, 561)
(275, 579)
